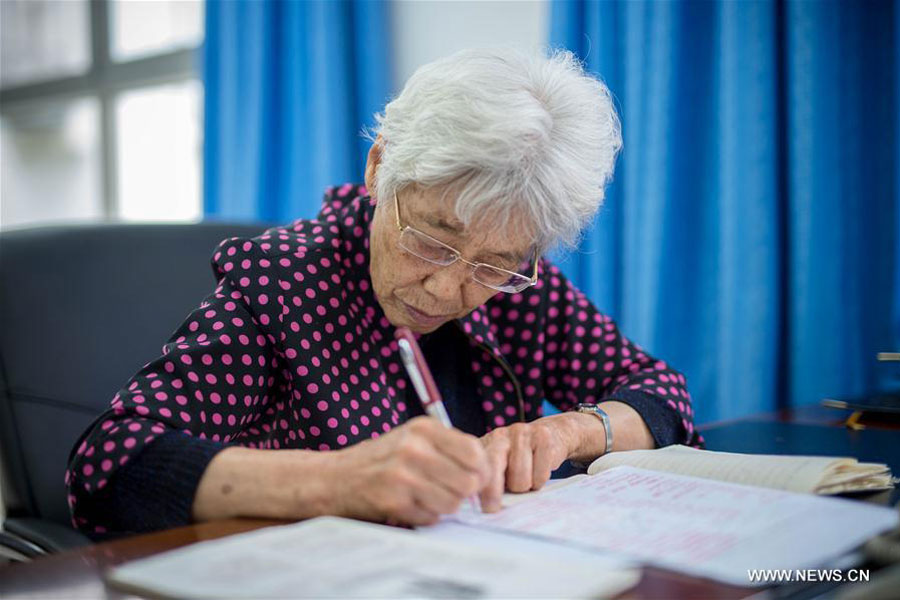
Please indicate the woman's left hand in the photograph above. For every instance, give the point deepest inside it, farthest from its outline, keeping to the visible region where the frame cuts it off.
(523, 455)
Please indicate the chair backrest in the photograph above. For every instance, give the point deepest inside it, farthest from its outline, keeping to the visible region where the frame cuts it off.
(82, 308)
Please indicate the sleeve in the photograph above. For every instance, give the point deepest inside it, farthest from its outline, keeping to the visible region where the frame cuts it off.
(587, 359)
(215, 380)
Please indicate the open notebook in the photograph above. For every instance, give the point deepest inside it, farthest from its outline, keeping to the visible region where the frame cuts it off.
(805, 474)
(715, 529)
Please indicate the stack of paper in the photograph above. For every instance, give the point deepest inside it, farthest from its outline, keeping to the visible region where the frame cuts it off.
(338, 558)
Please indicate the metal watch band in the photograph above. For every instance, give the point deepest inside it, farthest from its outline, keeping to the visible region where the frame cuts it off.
(601, 414)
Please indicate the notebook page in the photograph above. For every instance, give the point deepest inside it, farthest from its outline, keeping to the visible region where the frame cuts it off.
(793, 473)
(691, 525)
(511, 498)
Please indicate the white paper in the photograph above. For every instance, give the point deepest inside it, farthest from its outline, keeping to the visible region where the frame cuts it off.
(692, 525)
(452, 529)
(339, 558)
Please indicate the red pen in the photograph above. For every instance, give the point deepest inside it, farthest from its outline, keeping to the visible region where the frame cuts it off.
(423, 382)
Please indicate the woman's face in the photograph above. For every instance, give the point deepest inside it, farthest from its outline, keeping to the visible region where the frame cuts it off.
(421, 295)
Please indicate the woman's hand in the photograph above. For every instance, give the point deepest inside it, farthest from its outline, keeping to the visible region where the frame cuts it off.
(523, 455)
(409, 476)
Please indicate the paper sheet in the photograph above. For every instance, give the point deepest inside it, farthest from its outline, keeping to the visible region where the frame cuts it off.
(338, 558)
(452, 529)
(696, 526)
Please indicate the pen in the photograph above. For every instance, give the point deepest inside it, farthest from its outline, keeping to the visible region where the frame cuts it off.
(423, 382)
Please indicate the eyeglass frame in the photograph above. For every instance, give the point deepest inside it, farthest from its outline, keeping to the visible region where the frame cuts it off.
(459, 257)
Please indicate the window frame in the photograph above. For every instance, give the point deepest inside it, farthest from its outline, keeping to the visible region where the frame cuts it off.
(104, 80)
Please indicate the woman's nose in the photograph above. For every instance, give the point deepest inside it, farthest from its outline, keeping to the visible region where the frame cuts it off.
(447, 282)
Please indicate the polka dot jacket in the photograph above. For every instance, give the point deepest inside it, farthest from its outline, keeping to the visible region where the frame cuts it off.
(292, 350)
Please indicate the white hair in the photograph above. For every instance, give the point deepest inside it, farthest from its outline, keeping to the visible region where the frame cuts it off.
(507, 131)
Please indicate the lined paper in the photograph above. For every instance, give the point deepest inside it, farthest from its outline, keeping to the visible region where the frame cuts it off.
(691, 525)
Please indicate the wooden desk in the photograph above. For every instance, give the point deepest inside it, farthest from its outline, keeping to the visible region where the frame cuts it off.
(79, 574)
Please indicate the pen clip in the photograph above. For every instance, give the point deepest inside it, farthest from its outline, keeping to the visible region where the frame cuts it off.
(416, 366)
(409, 361)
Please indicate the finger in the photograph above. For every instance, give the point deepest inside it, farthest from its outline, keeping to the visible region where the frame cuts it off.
(519, 469)
(410, 492)
(461, 447)
(414, 515)
(434, 498)
(442, 470)
(545, 457)
(542, 466)
(419, 515)
(492, 494)
(424, 458)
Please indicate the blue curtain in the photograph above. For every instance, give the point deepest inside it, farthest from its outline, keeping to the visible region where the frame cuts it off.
(751, 234)
(289, 85)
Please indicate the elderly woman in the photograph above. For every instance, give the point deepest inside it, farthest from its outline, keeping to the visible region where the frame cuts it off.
(483, 162)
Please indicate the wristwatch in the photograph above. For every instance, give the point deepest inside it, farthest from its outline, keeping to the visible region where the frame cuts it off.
(601, 414)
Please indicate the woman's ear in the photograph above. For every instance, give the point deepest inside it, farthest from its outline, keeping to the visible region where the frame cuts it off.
(372, 163)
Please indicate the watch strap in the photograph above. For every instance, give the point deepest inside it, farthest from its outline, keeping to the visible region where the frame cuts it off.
(607, 427)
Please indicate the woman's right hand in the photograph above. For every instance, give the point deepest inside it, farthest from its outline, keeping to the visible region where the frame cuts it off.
(409, 476)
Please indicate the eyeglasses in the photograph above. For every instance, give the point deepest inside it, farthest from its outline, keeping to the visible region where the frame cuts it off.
(438, 253)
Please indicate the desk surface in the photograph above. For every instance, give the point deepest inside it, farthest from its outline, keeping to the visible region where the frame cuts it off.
(79, 574)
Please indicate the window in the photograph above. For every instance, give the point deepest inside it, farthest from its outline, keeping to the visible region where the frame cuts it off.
(100, 111)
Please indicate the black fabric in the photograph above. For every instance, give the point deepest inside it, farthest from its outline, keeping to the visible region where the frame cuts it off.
(67, 297)
(664, 424)
(446, 352)
(156, 490)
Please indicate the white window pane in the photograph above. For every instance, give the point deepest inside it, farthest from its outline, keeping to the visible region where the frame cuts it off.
(143, 27)
(40, 39)
(159, 146)
(51, 163)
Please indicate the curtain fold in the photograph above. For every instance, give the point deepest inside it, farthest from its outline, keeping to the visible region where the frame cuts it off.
(289, 85)
(750, 236)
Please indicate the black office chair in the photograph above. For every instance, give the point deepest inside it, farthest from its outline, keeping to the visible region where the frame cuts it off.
(82, 308)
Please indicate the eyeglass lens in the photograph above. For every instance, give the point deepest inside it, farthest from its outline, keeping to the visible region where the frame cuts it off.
(436, 252)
